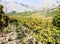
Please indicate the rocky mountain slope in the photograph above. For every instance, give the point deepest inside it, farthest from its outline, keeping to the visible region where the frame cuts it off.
(10, 6)
(14, 6)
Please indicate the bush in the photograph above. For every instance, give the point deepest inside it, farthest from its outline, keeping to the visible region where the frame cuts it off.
(3, 18)
(56, 19)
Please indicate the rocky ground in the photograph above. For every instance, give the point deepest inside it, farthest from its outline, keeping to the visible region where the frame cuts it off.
(12, 38)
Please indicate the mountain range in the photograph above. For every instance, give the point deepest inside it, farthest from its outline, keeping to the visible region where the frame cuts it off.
(10, 6)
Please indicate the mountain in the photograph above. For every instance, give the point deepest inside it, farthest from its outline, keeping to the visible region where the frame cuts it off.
(10, 5)
(14, 6)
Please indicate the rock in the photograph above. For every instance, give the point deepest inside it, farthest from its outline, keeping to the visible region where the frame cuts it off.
(12, 35)
(39, 43)
(9, 37)
(11, 42)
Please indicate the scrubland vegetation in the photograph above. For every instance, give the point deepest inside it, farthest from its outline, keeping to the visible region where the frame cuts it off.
(38, 27)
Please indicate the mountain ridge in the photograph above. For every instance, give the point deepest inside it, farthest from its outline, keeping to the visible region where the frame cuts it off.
(14, 6)
(10, 6)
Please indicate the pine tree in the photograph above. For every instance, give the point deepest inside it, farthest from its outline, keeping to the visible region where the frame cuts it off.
(3, 18)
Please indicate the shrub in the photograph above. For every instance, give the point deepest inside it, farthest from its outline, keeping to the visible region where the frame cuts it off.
(56, 19)
(3, 18)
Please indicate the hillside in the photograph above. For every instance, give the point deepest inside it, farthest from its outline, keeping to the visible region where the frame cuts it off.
(37, 27)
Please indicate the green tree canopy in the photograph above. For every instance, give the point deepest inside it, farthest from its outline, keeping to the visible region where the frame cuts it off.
(3, 18)
(56, 20)
(1, 7)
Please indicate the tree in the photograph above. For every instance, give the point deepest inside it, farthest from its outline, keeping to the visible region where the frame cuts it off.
(3, 18)
(56, 19)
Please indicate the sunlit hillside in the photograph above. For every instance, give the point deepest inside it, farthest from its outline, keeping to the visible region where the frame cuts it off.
(30, 27)
(37, 26)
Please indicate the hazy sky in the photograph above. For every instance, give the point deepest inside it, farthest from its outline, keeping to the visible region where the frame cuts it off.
(37, 2)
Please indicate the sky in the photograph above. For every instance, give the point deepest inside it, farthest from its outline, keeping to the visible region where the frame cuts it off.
(33, 2)
(37, 2)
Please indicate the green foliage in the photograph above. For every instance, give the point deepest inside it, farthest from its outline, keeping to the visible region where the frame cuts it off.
(39, 28)
(23, 13)
(1, 7)
(56, 20)
(3, 18)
